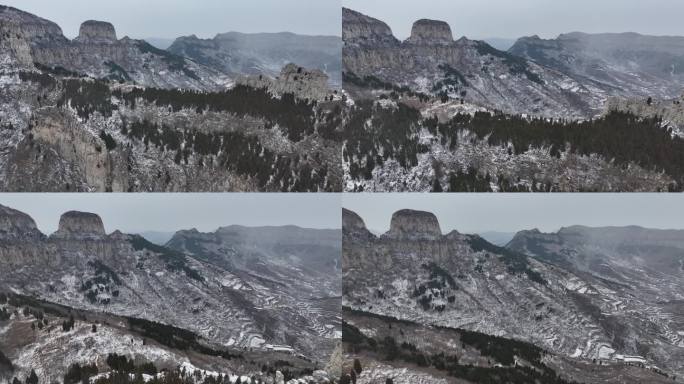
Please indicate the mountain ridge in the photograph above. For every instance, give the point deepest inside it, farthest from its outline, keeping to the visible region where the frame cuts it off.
(126, 275)
(582, 302)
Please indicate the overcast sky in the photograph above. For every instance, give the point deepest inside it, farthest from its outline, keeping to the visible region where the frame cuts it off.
(204, 18)
(169, 212)
(477, 213)
(516, 18)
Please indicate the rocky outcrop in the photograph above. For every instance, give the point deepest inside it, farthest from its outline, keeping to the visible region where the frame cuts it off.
(303, 83)
(358, 28)
(21, 243)
(670, 110)
(353, 225)
(428, 32)
(96, 52)
(431, 62)
(96, 32)
(16, 225)
(239, 54)
(28, 26)
(81, 238)
(17, 30)
(75, 224)
(408, 224)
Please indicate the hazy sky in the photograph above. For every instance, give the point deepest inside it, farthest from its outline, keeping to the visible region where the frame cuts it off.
(476, 213)
(204, 18)
(516, 18)
(168, 212)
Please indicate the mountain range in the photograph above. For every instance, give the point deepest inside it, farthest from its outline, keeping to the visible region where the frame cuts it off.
(595, 303)
(236, 53)
(98, 113)
(569, 77)
(580, 112)
(254, 296)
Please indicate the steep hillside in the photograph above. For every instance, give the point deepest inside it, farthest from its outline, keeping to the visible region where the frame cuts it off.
(237, 53)
(100, 114)
(406, 142)
(97, 52)
(436, 114)
(618, 64)
(432, 62)
(81, 266)
(415, 273)
(59, 343)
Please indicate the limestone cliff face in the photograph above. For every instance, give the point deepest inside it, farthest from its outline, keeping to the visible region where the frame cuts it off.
(96, 32)
(360, 29)
(17, 225)
(408, 224)
(371, 49)
(36, 29)
(431, 61)
(21, 243)
(96, 52)
(79, 239)
(353, 224)
(426, 31)
(15, 52)
(80, 224)
(415, 233)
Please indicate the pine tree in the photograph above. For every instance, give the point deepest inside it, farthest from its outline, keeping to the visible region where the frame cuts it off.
(33, 378)
(436, 186)
(357, 366)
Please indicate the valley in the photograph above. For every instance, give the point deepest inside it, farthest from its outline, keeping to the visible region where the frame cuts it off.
(229, 302)
(608, 298)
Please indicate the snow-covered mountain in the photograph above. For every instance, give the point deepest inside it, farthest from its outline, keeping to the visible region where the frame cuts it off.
(101, 114)
(97, 52)
(235, 53)
(579, 113)
(432, 62)
(569, 77)
(231, 290)
(620, 64)
(584, 294)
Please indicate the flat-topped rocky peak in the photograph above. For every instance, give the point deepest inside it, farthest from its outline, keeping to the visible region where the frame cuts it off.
(74, 223)
(16, 224)
(357, 26)
(427, 31)
(96, 32)
(408, 224)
